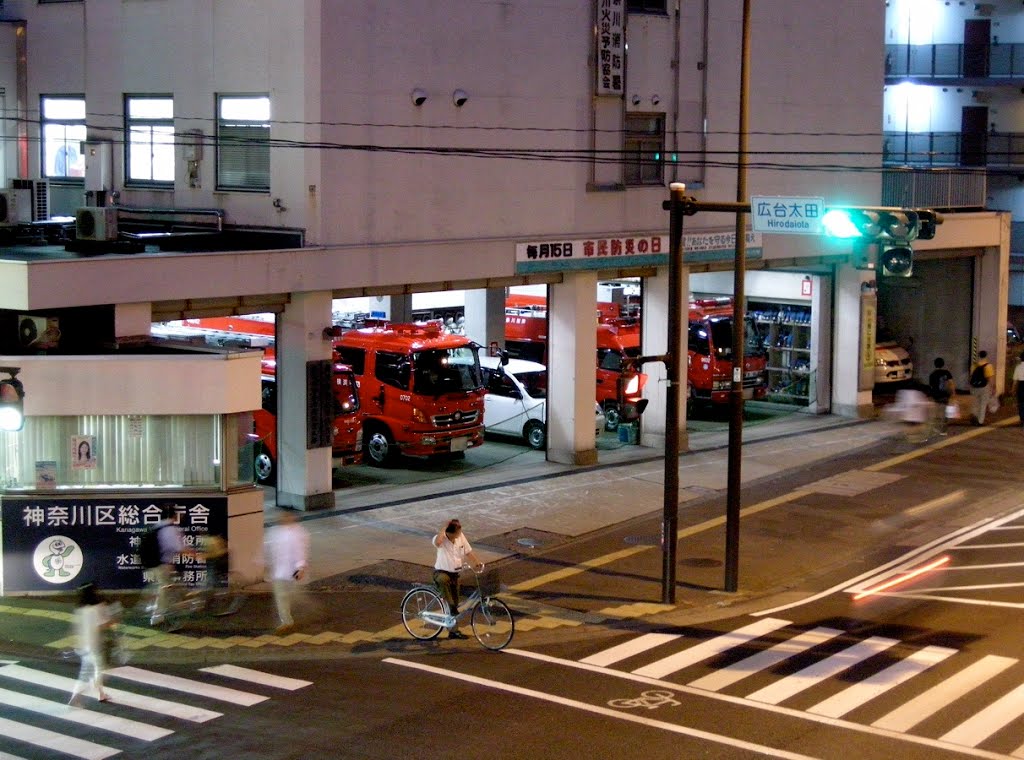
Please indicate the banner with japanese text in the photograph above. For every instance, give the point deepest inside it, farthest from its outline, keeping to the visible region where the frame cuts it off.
(54, 544)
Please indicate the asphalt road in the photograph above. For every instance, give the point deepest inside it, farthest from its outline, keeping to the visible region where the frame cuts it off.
(920, 666)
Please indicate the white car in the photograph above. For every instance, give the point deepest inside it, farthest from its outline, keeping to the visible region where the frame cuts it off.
(516, 400)
(892, 363)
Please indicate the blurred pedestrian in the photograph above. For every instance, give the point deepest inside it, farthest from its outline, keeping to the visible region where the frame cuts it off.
(287, 548)
(90, 624)
(942, 387)
(983, 386)
(914, 408)
(1018, 387)
(172, 546)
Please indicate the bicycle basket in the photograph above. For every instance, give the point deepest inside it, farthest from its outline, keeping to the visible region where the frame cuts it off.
(490, 583)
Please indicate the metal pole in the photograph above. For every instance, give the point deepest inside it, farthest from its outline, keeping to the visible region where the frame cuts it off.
(673, 365)
(732, 509)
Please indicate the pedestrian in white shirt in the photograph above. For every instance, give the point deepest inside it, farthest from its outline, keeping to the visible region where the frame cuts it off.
(287, 545)
(90, 622)
(453, 551)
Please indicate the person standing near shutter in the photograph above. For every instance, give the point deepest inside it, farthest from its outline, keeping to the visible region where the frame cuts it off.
(983, 382)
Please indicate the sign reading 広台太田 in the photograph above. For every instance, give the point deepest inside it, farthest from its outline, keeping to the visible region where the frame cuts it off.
(556, 255)
(53, 544)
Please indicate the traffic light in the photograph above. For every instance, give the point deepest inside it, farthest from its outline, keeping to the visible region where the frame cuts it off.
(876, 225)
(12, 401)
(897, 260)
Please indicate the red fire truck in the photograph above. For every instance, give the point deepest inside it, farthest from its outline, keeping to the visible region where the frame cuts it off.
(709, 373)
(347, 429)
(421, 390)
(619, 385)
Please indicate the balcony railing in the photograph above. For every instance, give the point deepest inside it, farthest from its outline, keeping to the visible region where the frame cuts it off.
(953, 61)
(991, 150)
(949, 189)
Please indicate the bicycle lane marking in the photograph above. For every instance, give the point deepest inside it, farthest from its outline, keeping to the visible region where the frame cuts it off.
(607, 712)
(881, 733)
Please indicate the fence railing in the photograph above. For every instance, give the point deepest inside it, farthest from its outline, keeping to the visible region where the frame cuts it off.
(955, 61)
(909, 187)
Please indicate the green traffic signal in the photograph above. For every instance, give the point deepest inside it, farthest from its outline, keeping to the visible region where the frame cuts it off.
(874, 224)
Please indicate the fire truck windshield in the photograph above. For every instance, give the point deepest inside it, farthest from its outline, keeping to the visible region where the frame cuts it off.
(441, 371)
(721, 336)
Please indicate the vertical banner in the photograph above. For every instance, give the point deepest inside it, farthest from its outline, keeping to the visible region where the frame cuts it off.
(611, 48)
(54, 544)
(868, 324)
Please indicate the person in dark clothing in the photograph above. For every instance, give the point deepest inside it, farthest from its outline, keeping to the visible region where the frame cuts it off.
(942, 387)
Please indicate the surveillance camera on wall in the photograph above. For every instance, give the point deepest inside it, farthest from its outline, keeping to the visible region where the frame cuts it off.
(418, 96)
(459, 98)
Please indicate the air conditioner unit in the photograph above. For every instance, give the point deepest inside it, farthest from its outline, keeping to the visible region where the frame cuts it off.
(38, 332)
(39, 190)
(15, 206)
(96, 223)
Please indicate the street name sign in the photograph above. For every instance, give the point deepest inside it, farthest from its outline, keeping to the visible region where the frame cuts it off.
(790, 216)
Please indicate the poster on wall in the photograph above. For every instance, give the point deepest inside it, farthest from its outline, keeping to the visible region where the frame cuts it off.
(46, 474)
(55, 544)
(83, 452)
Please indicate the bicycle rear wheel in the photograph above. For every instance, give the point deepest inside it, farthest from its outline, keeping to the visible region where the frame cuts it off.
(414, 605)
(492, 623)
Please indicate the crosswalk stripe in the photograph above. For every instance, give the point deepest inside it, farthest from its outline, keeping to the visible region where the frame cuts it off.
(786, 687)
(629, 648)
(710, 648)
(67, 745)
(197, 688)
(257, 677)
(127, 698)
(111, 723)
(723, 677)
(9, 756)
(925, 705)
(982, 725)
(862, 692)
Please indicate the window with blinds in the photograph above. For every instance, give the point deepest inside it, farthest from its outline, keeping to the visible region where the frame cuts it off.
(243, 142)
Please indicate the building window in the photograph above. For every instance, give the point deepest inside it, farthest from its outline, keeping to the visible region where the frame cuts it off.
(644, 148)
(62, 126)
(149, 147)
(243, 142)
(645, 6)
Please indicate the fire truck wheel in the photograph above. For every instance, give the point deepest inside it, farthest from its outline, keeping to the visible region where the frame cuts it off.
(536, 435)
(612, 418)
(380, 447)
(266, 473)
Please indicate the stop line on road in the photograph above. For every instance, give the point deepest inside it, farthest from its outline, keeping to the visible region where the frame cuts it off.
(89, 721)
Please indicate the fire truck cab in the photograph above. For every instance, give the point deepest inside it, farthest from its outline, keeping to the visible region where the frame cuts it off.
(709, 370)
(421, 390)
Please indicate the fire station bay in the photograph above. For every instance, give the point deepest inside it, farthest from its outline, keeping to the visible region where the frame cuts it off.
(150, 360)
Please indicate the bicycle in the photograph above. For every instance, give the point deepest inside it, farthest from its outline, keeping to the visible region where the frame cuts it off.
(183, 602)
(425, 613)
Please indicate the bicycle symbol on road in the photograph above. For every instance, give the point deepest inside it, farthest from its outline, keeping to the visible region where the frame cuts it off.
(652, 700)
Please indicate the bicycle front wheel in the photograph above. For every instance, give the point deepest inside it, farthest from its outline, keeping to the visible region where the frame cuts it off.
(421, 609)
(492, 623)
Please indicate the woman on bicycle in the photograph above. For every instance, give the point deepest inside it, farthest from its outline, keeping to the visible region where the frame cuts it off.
(453, 551)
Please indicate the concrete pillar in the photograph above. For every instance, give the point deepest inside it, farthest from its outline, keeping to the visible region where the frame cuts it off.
(132, 322)
(654, 340)
(572, 369)
(847, 400)
(485, 316)
(399, 308)
(303, 475)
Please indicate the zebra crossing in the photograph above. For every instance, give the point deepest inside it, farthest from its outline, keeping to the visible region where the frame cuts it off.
(830, 673)
(94, 732)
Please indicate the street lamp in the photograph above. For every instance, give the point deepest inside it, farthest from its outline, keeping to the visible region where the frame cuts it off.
(12, 401)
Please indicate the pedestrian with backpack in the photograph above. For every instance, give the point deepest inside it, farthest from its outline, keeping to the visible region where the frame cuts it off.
(942, 388)
(160, 547)
(983, 386)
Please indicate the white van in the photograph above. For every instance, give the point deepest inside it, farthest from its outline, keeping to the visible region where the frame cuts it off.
(516, 400)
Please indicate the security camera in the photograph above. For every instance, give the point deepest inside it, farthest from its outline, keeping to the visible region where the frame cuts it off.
(418, 96)
(459, 98)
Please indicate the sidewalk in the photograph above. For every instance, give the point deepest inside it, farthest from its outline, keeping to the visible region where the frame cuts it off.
(365, 556)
